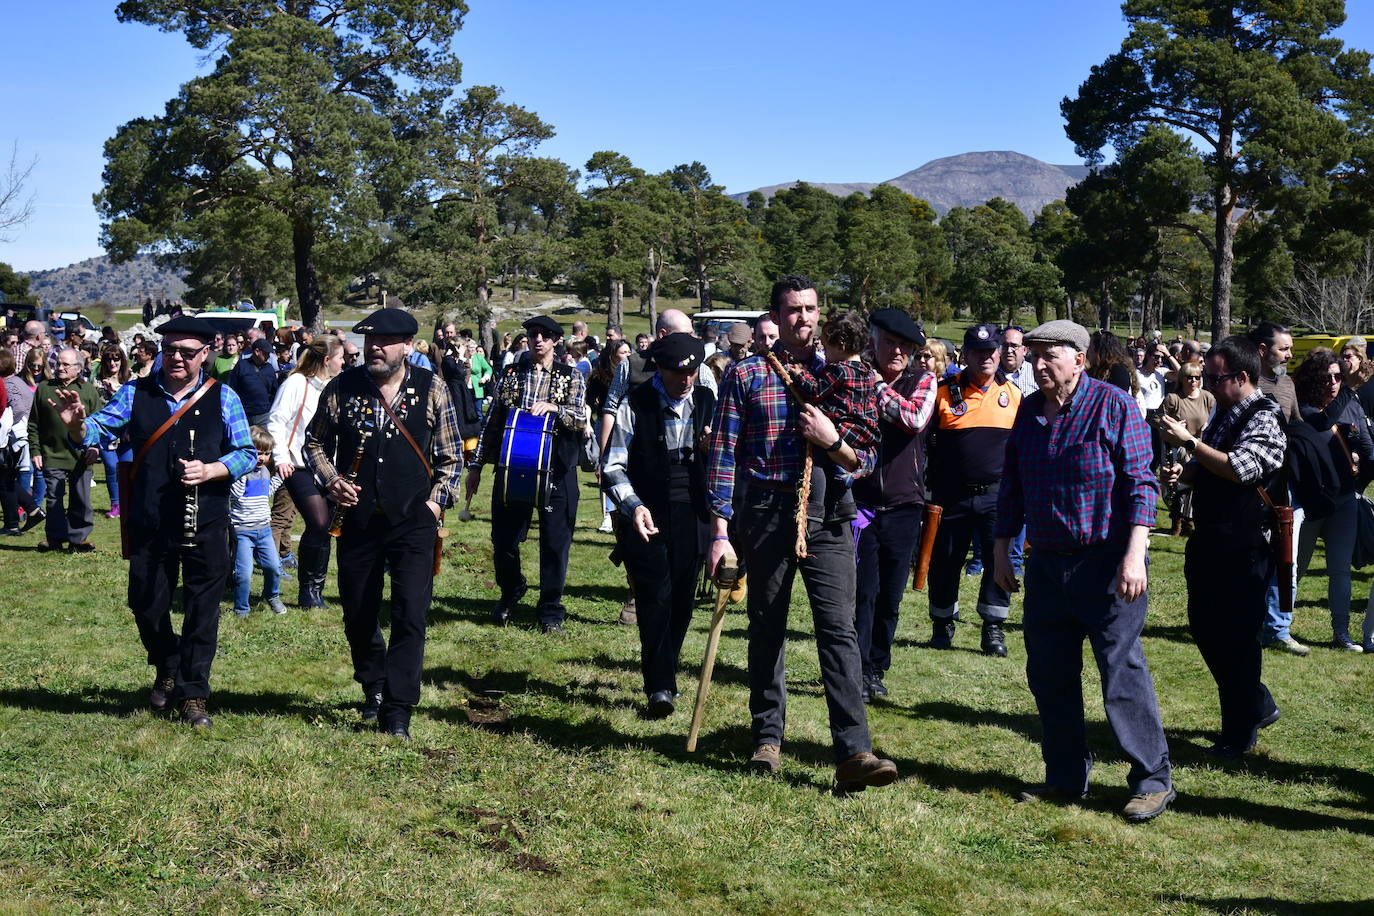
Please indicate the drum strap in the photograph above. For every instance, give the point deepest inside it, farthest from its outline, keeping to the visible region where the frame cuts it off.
(381, 398)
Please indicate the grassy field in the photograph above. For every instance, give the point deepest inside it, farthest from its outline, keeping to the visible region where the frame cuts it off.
(535, 786)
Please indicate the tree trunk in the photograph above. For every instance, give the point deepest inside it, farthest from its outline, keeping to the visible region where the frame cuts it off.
(703, 287)
(615, 303)
(487, 337)
(307, 281)
(1224, 256)
(1104, 307)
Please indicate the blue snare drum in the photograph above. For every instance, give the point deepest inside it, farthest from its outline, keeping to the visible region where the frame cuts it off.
(522, 468)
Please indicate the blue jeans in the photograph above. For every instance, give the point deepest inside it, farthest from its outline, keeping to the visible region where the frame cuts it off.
(110, 459)
(249, 545)
(1337, 532)
(1017, 552)
(1276, 622)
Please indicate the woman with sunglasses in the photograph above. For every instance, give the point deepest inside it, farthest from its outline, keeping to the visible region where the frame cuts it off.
(1317, 383)
(33, 371)
(1191, 405)
(112, 373)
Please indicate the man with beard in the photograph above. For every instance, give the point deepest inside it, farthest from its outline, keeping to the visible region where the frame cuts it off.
(408, 470)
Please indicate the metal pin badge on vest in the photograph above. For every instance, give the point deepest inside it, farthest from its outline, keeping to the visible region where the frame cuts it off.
(1003, 399)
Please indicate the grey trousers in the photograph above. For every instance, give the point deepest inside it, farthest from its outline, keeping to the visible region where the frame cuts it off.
(68, 506)
(767, 535)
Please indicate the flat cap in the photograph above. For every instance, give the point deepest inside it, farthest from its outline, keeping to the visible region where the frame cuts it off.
(982, 337)
(388, 322)
(899, 323)
(543, 323)
(1358, 343)
(740, 333)
(186, 326)
(679, 352)
(1060, 332)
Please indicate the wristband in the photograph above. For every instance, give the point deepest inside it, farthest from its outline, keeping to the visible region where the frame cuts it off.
(721, 537)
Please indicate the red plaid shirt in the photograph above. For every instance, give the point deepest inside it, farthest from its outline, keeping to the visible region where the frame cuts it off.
(755, 429)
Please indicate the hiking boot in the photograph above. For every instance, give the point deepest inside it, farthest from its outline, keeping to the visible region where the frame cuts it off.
(1290, 645)
(161, 694)
(994, 640)
(876, 686)
(1148, 805)
(372, 703)
(866, 688)
(1056, 795)
(629, 616)
(942, 633)
(862, 770)
(193, 712)
(767, 759)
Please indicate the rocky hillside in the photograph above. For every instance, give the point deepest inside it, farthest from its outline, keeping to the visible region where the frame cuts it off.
(970, 179)
(97, 280)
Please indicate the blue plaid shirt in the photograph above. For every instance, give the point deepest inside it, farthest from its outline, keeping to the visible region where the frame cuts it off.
(1083, 478)
(241, 458)
(677, 436)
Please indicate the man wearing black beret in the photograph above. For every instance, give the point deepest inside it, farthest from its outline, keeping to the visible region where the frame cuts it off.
(540, 385)
(654, 470)
(190, 440)
(391, 428)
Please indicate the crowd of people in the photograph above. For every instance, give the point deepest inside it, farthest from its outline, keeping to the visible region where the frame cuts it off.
(848, 451)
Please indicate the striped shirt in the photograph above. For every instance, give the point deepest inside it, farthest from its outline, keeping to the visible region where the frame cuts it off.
(250, 499)
(677, 436)
(756, 428)
(1082, 478)
(113, 417)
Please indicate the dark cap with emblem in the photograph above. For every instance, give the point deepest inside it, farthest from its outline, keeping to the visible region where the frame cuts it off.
(679, 352)
(186, 326)
(543, 323)
(982, 337)
(388, 322)
(899, 324)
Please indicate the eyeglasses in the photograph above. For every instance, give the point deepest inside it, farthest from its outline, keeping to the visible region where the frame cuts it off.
(62, 365)
(186, 353)
(1192, 378)
(1333, 379)
(1214, 379)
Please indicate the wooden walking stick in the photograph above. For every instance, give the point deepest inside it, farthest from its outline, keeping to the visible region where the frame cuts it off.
(929, 525)
(803, 485)
(728, 588)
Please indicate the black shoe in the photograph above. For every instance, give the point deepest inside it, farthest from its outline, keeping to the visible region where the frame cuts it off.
(372, 704)
(193, 712)
(942, 633)
(1269, 719)
(994, 641)
(10, 532)
(661, 704)
(34, 519)
(505, 608)
(396, 723)
(876, 686)
(1224, 750)
(554, 628)
(161, 694)
(866, 688)
(1055, 795)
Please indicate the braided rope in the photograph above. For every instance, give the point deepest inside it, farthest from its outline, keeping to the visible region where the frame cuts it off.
(804, 484)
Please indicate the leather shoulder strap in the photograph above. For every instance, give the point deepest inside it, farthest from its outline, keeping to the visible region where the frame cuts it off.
(381, 399)
(171, 421)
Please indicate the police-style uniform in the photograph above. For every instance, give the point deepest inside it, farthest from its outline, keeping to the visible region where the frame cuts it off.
(971, 426)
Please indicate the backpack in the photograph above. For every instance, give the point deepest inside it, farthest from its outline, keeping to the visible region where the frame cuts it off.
(1311, 469)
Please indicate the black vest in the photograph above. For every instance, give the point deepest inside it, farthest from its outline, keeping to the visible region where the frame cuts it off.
(158, 500)
(898, 479)
(567, 443)
(654, 477)
(391, 476)
(1237, 507)
(641, 370)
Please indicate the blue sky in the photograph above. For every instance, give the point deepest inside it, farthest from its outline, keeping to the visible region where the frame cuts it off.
(761, 92)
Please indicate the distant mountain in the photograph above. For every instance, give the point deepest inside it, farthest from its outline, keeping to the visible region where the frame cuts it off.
(97, 280)
(970, 179)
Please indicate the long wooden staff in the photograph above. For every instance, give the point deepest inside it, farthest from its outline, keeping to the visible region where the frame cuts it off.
(727, 579)
(803, 485)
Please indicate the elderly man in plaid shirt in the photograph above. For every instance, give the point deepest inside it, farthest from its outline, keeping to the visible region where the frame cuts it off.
(1077, 474)
(759, 427)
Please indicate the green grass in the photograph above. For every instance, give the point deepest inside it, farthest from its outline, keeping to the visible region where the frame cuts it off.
(583, 806)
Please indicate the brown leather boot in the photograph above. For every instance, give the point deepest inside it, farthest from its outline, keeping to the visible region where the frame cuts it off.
(1177, 530)
(862, 770)
(193, 712)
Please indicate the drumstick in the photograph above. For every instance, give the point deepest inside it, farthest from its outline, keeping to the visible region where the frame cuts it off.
(725, 581)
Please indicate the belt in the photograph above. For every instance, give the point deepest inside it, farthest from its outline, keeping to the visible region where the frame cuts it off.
(780, 486)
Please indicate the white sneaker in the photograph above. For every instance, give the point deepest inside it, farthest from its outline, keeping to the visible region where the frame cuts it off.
(1290, 645)
(606, 527)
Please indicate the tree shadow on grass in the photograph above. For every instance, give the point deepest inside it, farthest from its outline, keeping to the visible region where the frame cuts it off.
(1279, 907)
(119, 702)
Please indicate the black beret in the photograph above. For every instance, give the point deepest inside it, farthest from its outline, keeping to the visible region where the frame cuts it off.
(543, 323)
(186, 326)
(898, 322)
(262, 344)
(679, 352)
(388, 322)
(982, 337)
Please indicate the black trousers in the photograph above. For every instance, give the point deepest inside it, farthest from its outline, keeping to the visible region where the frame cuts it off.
(885, 550)
(368, 546)
(13, 497)
(665, 572)
(963, 522)
(767, 536)
(511, 524)
(1227, 582)
(154, 563)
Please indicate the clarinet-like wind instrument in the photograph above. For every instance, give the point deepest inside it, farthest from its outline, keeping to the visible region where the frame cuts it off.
(336, 524)
(190, 519)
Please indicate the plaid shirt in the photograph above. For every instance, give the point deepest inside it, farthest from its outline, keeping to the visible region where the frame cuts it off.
(756, 427)
(522, 386)
(1258, 450)
(677, 436)
(445, 444)
(1083, 478)
(911, 414)
(845, 393)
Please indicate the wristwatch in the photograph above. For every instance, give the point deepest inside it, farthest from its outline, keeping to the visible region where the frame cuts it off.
(1190, 445)
(835, 445)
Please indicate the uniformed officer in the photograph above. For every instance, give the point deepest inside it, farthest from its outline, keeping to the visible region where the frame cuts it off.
(384, 444)
(654, 470)
(974, 411)
(542, 386)
(176, 513)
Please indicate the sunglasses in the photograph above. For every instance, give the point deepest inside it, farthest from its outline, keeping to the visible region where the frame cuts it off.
(1214, 379)
(187, 353)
